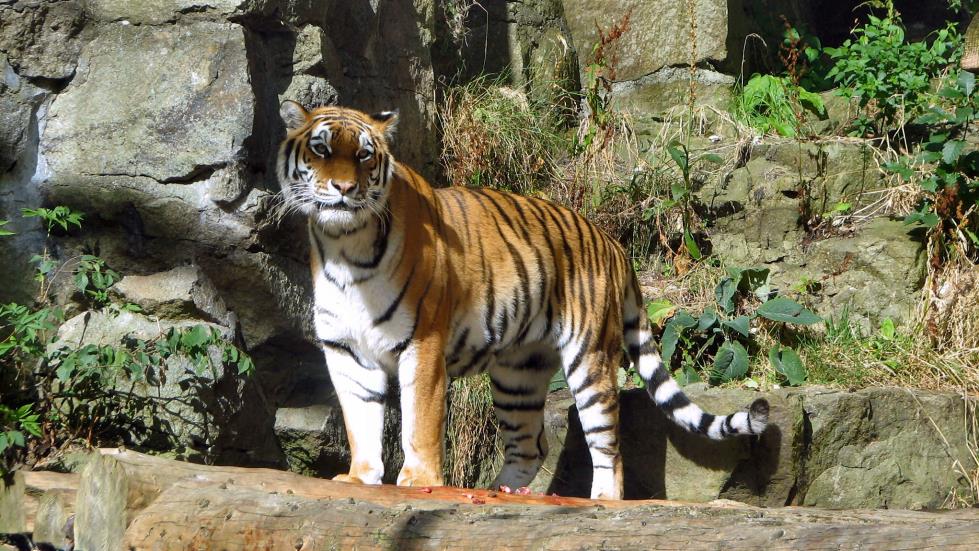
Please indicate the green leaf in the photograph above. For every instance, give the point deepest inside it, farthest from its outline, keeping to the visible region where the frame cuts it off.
(684, 319)
(952, 151)
(706, 321)
(4, 232)
(713, 158)
(967, 82)
(812, 102)
(671, 336)
(724, 294)
(557, 382)
(730, 362)
(788, 364)
(788, 311)
(739, 324)
(887, 329)
(679, 154)
(659, 310)
(686, 375)
(195, 336)
(691, 246)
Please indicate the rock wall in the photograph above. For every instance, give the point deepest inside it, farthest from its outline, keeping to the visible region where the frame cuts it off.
(159, 121)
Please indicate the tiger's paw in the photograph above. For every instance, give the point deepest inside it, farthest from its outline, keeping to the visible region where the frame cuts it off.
(419, 477)
(348, 478)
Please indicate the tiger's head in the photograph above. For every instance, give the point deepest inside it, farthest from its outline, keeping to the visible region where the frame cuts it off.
(335, 165)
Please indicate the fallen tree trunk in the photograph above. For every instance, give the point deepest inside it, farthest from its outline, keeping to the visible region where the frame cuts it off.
(200, 515)
(37, 485)
(132, 501)
(117, 484)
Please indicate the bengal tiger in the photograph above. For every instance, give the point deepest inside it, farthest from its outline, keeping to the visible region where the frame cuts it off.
(421, 285)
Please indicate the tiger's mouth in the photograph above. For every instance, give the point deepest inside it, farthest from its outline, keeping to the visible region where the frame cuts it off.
(342, 205)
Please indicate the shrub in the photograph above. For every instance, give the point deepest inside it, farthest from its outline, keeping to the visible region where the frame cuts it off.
(890, 77)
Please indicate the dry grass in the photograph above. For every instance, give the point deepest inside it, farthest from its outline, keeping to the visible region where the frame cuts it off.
(471, 430)
(495, 136)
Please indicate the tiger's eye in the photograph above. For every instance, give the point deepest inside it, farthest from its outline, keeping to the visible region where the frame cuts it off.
(320, 149)
(364, 154)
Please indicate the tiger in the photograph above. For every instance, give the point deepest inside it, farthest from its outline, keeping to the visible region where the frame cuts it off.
(420, 285)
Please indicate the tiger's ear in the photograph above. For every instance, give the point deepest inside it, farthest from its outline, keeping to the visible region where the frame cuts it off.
(293, 114)
(386, 122)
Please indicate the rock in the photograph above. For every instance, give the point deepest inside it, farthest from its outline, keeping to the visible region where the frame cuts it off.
(181, 293)
(877, 273)
(139, 12)
(886, 448)
(875, 448)
(102, 127)
(314, 440)
(178, 408)
(12, 518)
(662, 461)
(42, 40)
(658, 35)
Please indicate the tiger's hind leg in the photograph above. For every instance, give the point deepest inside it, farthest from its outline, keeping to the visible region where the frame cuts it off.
(591, 376)
(519, 391)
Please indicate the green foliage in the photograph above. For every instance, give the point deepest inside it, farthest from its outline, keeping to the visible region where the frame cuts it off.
(80, 387)
(890, 76)
(93, 279)
(720, 338)
(14, 422)
(3, 232)
(771, 103)
(681, 192)
(946, 168)
(60, 216)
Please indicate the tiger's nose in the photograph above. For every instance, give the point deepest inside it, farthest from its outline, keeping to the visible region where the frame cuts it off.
(343, 187)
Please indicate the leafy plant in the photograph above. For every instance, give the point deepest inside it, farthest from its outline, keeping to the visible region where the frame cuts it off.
(681, 192)
(93, 278)
(4, 232)
(14, 422)
(60, 216)
(721, 336)
(946, 168)
(82, 387)
(769, 103)
(890, 77)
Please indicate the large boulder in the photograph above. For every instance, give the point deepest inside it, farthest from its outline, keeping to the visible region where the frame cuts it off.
(874, 448)
(777, 210)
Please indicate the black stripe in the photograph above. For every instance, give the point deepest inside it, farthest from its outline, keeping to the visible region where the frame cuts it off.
(341, 347)
(522, 406)
(630, 325)
(379, 247)
(727, 427)
(705, 421)
(394, 305)
(513, 390)
(595, 398)
(525, 456)
(286, 155)
(599, 428)
(576, 361)
(659, 377)
(675, 402)
(508, 427)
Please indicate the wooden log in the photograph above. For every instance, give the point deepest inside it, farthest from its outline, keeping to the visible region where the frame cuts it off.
(201, 515)
(39, 483)
(117, 484)
(53, 510)
(12, 504)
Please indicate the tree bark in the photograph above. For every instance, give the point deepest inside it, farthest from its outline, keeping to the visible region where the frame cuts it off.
(199, 515)
(132, 501)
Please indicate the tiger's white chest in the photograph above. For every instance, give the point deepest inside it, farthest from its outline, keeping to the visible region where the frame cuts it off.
(358, 307)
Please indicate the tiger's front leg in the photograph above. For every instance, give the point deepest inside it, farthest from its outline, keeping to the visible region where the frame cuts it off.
(361, 390)
(423, 380)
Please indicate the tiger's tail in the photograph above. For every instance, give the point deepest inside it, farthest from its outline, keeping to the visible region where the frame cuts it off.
(664, 390)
